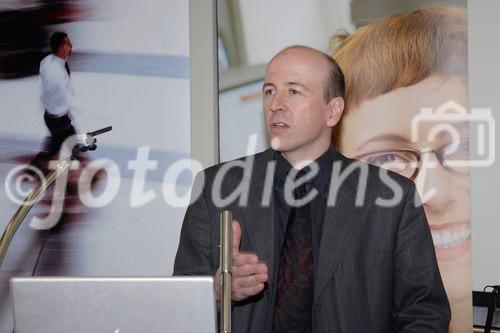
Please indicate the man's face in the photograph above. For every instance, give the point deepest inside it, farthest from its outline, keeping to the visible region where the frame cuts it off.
(298, 119)
(65, 48)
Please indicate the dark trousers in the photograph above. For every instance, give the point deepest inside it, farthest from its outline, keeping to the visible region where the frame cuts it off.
(60, 129)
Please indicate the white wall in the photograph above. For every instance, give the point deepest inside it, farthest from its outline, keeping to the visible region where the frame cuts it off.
(269, 26)
(484, 71)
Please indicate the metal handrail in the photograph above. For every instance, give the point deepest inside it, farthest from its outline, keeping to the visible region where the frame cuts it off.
(28, 203)
(89, 143)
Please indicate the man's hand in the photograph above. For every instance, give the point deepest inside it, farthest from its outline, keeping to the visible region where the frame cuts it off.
(248, 274)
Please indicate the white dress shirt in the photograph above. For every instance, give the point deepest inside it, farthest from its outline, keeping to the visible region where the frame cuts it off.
(56, 91)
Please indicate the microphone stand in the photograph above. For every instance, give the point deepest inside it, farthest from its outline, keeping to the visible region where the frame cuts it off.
(226, 263)
(89, 143)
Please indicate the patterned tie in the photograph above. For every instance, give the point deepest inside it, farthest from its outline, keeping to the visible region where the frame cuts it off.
(294, 296)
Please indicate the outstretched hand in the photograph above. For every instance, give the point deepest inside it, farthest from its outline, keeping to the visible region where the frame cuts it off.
(248, 273)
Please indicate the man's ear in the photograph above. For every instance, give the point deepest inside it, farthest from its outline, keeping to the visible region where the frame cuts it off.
(335, 109)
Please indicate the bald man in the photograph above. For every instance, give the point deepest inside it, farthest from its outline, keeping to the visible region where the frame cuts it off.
(321, 243)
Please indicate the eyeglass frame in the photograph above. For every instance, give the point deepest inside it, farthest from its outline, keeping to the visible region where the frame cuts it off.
(418, 155)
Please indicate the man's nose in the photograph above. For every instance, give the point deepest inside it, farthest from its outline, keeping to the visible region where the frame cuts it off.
(277, 102)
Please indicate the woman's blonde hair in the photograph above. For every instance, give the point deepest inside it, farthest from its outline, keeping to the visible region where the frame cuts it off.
(402, 50)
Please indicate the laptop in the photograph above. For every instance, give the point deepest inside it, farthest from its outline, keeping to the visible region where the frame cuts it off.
(113, 304)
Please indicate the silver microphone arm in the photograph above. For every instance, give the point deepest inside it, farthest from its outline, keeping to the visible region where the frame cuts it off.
(226, 264)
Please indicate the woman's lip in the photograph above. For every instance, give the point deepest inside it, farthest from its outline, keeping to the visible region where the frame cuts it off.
(451, 240)
(449, 225)
(443, 254)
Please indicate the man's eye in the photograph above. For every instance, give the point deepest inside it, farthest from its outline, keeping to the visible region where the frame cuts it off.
(268, 92)
(294, 92)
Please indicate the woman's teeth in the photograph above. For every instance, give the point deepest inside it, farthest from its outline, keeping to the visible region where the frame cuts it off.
(446, 239)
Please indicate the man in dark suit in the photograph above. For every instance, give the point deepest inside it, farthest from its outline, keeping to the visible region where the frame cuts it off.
(322, 243)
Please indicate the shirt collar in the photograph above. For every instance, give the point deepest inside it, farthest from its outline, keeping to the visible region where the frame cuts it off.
(321, 179)
(58, 60)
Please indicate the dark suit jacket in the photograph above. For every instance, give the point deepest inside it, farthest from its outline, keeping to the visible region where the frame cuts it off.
(377, 270)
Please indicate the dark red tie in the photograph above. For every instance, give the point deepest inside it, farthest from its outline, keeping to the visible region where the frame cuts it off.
(294, 295)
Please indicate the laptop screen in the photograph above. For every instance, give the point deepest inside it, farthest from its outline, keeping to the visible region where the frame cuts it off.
(115, 305)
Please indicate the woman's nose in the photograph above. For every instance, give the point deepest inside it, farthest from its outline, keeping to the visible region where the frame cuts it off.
(434, 184)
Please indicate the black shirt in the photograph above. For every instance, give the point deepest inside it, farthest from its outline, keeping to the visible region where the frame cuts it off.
(320, 182)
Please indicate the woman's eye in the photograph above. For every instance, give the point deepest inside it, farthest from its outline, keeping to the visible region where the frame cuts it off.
(386, 159)
(463, 148)
(404, 162)
(464, 145)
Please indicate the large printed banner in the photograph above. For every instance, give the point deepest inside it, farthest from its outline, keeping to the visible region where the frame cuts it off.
(129, 68)
(406, 79)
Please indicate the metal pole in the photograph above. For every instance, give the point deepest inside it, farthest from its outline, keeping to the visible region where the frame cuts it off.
(226, 263)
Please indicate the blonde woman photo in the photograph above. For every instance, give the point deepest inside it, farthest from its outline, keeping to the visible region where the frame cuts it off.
(393, 68)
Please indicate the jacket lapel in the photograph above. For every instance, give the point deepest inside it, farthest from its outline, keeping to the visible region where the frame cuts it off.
(261, 228)
(339, 225)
